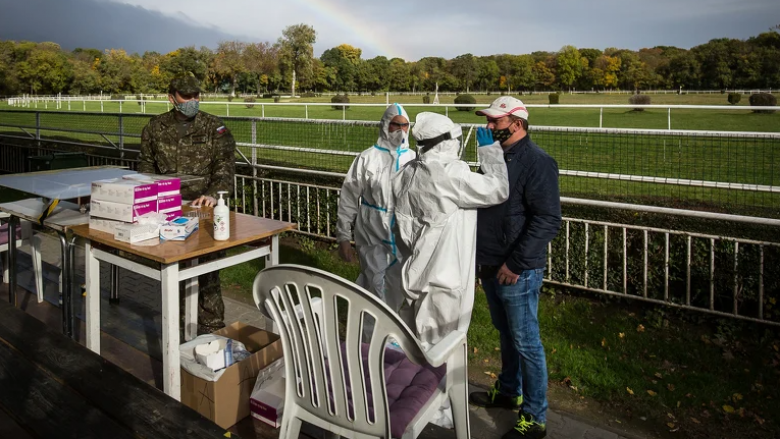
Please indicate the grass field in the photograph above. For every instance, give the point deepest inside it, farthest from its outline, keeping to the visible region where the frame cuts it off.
(726, 158)
(716, 120)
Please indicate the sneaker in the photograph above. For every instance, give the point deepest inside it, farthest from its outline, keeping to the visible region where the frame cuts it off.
(526, 428)
(494, 398)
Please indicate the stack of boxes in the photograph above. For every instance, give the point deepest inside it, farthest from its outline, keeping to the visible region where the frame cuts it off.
(121, 201)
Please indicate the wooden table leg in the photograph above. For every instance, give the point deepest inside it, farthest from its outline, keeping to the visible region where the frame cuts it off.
(170, 329)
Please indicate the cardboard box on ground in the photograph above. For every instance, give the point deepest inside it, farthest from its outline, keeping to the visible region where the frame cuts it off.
(226, 401)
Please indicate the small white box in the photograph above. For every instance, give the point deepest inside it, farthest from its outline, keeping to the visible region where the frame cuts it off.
(178, 229)
(118, 190)
(136, 232)
(267, 400)
(104, 225)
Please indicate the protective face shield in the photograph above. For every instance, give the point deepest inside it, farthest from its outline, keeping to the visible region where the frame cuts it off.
(188, 108)
(432, 129)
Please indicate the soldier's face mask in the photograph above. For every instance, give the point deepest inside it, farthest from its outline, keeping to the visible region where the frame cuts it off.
(188, 108)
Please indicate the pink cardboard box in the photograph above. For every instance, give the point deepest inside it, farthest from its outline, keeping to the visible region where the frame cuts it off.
(121, 212)
(166, 185)
(122, 191)
(166, 202)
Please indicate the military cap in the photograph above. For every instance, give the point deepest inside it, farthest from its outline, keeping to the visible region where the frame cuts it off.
(186, 84)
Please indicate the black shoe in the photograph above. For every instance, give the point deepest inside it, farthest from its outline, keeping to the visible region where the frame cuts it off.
(526, 428)
(494, 398)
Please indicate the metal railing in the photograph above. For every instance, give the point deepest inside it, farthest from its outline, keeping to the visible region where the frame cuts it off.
(723, 276)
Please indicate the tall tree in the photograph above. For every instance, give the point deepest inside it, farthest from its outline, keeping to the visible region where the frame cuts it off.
(297, 50)
(466, 69)
(261, 60)
(229, 62)
(569, 66)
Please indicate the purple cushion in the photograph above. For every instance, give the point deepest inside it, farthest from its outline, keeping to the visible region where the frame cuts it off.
(4, 233)
(409, 387)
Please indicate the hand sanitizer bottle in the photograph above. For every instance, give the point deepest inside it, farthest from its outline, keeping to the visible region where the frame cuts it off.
(221, 219)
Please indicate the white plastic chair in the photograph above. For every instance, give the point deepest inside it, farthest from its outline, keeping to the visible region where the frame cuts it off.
(309, 343)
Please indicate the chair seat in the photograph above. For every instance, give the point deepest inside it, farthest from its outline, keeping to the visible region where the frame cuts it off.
(4, 233)
(409, 387)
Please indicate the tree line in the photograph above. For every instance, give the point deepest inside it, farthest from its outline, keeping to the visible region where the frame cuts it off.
(289, 64)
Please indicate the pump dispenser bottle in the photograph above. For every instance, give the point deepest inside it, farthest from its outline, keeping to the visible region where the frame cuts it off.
(221, 219)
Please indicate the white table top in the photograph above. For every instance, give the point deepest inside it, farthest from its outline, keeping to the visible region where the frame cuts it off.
(65, 214)
(63, 184)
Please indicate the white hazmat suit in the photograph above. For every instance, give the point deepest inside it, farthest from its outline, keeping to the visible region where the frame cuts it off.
(367, 201)
(436, 200)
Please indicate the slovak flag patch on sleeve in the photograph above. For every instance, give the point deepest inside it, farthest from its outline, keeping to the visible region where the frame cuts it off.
(221, 130)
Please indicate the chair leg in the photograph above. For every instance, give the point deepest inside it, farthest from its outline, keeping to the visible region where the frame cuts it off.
(459, 393)
(5, 268)
(35, 244)
(291, 428)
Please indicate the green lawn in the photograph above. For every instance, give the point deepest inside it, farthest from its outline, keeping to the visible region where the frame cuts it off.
(708, 377)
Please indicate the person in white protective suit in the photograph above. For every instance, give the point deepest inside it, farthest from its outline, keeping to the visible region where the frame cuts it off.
(436, 197)
(367, 201)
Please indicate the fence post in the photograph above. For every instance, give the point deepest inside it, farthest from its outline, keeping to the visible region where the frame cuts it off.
(601, 117)
(84, 102)
(227, 107)
(101, 105)
(262, 111)
(307, 111)
(447, 111)
(669, 117)
(121, 137)
(344, 111)
(120, 107)
(254, 165)
(68, 104)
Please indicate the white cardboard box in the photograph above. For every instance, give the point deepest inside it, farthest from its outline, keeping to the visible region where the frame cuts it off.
(121, 212)
(104, 225)
(267, 400)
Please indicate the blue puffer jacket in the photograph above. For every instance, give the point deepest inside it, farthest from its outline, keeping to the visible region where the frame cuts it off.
(517, 231)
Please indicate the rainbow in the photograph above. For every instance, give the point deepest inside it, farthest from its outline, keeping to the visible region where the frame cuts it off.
(361, 29)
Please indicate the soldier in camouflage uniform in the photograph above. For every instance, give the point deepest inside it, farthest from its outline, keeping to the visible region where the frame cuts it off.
(189, 141)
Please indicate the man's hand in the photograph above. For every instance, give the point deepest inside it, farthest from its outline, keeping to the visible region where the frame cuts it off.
(204, 201)
(506, 276)
(345, 251)
(484, 136)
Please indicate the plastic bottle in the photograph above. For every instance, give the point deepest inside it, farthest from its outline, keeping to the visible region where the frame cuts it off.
(221, 219)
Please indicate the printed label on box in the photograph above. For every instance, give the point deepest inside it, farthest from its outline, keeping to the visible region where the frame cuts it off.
(122, 191)
(167, 202)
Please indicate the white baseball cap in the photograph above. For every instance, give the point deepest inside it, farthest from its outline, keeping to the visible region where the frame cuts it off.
(504, 106)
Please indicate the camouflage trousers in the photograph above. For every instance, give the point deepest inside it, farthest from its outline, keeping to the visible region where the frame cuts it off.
(211, 308)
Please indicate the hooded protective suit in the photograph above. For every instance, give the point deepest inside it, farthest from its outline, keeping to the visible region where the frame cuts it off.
(436, 200)
(367, 201)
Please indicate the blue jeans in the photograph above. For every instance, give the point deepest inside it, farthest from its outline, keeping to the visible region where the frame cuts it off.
(513, 309)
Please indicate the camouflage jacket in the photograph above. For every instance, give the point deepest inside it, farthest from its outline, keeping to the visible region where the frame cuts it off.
(205, 148)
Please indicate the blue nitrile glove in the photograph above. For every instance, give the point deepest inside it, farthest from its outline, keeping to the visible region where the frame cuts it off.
(484, 136)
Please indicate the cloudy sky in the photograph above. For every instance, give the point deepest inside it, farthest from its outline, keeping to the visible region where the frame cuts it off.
(410, 29)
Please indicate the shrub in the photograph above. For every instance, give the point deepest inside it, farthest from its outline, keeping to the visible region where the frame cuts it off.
(426, 99)
(639, 100)
(250, 101)
(230, 98)
(734, 98)
(763, 100)
(465, 99)
(277, 99)
(340, 99)
(554, 98)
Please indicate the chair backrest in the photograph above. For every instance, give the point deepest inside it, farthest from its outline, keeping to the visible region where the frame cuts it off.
(332, 383)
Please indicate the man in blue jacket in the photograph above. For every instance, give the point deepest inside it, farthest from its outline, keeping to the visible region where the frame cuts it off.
(512, 240)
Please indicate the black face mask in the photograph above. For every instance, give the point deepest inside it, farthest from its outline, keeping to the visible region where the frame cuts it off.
(501, 136)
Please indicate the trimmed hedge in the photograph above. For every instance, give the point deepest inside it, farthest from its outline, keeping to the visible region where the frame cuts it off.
(340, 99)
(734, 98)
(250, 101)
(639, 100)
(763, 100)
(554, 98)
(426, 99)
(465, 99)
